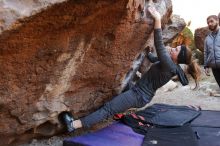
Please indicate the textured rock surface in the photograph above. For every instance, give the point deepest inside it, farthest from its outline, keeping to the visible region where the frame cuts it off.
(69, 56)
(199, 37)
(172, 28)
(13, 10)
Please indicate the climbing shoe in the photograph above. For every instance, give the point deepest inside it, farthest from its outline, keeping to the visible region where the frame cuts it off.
(66, 118)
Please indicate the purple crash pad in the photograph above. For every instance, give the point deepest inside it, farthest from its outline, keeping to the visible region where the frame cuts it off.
(117, 134)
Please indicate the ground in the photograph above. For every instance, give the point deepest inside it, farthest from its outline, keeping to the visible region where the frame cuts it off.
(178, 96)
(186, 96)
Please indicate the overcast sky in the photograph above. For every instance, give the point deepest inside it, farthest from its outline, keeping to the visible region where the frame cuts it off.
(196, 10)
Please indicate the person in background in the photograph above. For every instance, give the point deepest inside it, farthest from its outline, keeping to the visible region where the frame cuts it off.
(165, 66)
(219, 18)
(212, 48)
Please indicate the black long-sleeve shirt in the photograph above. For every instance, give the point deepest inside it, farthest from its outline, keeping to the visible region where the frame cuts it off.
(160, 72)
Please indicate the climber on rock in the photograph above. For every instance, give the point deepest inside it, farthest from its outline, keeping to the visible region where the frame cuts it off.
(165, 66)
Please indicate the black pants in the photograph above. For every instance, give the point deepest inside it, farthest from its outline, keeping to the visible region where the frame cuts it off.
(216, 73)
(120, 103)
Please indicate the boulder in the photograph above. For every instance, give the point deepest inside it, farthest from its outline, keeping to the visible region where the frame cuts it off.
(13, 11)
(171, 30)
(199, 37)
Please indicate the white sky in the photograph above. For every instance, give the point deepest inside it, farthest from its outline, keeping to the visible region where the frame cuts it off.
(196, 10)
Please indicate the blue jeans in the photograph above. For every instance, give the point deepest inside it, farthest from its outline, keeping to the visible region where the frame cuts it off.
(216, 73)
(120, 103)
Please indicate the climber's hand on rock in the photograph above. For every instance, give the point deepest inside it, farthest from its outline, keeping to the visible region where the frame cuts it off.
(154, 13)
(147, 50)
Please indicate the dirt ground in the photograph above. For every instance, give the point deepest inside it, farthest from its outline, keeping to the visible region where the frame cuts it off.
(203, 96)
(178, 96)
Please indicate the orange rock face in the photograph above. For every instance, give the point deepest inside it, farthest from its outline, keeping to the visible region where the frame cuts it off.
(72, 56)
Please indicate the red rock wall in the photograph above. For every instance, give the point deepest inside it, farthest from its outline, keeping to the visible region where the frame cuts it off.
(71, 56)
